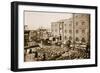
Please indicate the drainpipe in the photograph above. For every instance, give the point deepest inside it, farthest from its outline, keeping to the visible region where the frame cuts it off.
(73, 32)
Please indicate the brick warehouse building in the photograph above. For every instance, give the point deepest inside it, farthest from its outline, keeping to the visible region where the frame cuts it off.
(73, 29)
(81, 27)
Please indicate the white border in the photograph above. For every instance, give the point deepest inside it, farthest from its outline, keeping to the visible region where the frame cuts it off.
(22, 64)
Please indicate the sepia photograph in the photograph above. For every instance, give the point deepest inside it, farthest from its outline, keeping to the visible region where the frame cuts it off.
(52, 36)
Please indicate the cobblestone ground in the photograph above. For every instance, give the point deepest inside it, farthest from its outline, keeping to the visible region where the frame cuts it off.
(48, 53)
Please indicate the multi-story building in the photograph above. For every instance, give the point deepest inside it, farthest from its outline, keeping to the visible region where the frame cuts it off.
(62, 29)
(26, 38)
(75, 29)
(31, 37)
(25, 27)
(81, 27)
(42, 33)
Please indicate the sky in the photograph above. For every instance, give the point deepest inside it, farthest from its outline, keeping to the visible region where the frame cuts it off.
(35, 20)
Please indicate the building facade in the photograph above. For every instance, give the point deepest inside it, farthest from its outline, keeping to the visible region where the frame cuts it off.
(34, 37)
(82, 28)
(62, 29)
(26, 38)
(75, 29)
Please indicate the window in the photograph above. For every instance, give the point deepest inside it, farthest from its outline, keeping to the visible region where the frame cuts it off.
(83, 23)
(65, 31)
(76, 23)
(77, 31)
(70, 31)
(70, 25)
(83, 40)
(83, 31)
(70, 38)
(65, 37)
(60, 37)
(77, 39)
